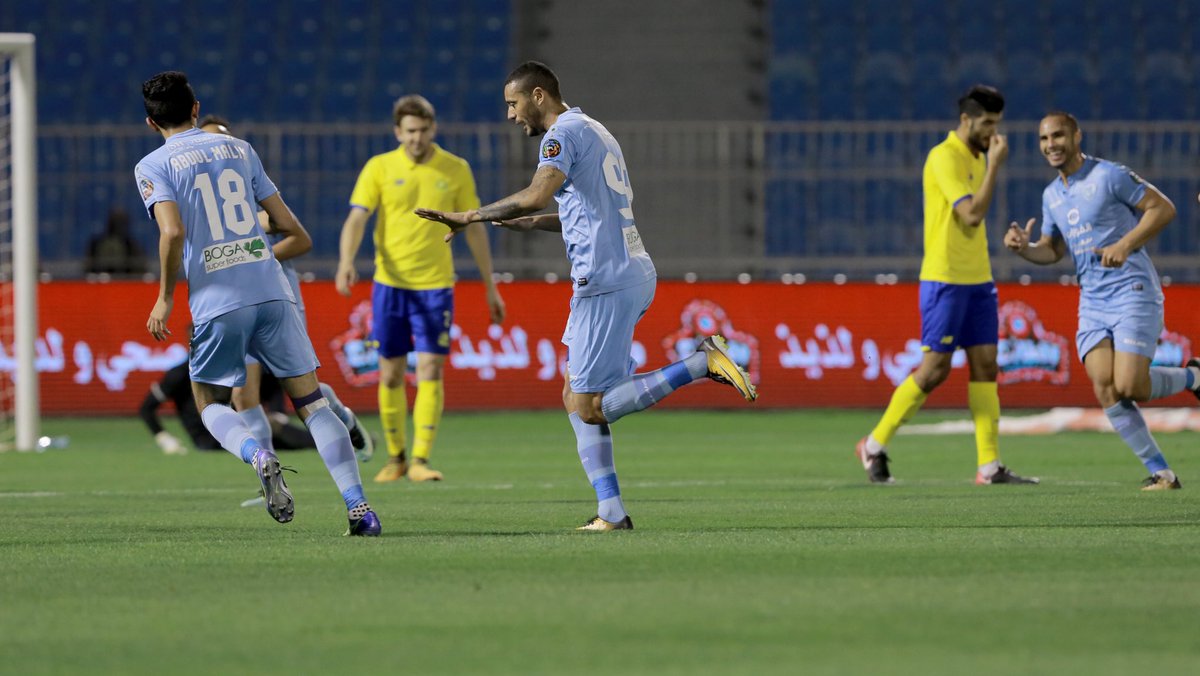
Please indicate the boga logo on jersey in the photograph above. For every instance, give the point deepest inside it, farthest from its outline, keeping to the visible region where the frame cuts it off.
(702, 318)
(229, 254)
(1027, 351)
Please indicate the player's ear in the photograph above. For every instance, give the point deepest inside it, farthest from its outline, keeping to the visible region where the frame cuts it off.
(195, 111)
(150, 123)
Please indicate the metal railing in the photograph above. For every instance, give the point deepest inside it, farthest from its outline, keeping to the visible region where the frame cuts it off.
(713, 199)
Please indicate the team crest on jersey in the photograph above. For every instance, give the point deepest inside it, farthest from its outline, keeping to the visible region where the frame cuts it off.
(551, 148)
(147, 188)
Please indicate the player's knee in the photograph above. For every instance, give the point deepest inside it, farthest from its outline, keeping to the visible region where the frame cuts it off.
(1130, 390)
(592, 415)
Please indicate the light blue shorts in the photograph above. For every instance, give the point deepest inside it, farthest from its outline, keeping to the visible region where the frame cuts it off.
(270, 332)
(599, 336)
(1132, 328)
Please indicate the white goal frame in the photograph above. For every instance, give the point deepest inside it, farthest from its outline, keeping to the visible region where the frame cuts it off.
(19, 49)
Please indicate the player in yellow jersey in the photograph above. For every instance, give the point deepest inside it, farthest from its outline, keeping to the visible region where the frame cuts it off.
(413, 295)
(959, 306)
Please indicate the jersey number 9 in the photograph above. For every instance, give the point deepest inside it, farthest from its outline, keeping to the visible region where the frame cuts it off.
(617, 178)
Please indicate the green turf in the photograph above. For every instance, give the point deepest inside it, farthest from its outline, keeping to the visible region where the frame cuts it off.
(759, 549)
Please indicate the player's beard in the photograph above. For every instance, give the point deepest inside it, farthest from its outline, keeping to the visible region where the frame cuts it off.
(978, 142)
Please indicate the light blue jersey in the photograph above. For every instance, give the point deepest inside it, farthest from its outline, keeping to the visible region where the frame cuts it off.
(594, 205)
(1094, 209)
(216, 181)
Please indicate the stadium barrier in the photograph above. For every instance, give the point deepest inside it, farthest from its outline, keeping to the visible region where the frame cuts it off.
(806, 345)
(714, 198)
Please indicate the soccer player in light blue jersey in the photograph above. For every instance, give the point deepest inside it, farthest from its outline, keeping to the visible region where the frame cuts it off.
(247, 399)
(583, 170)
(201, 189)
(1103, 214)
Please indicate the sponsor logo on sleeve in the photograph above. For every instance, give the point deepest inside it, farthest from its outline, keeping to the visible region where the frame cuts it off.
(147, 188)
(551, 148)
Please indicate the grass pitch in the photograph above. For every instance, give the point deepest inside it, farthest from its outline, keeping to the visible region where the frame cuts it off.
(759, 549)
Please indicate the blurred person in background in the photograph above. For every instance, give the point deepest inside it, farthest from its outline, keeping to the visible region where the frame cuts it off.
(958, 300)
(412, 297)
(115, 251)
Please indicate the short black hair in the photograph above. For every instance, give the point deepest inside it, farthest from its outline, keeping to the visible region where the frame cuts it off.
(169, 99)
(212, 119)
(533, 74)
(981, 99)
(1067, 117)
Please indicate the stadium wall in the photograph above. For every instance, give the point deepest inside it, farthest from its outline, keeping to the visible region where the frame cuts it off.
(807, 345)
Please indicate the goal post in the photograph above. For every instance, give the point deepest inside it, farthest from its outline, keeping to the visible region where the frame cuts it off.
(18, 158)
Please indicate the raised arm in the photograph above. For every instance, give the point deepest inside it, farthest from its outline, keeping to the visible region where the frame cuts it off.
(973, 208)
(1045, 251)
(1157, 211)
(537, 196)
(296, 240)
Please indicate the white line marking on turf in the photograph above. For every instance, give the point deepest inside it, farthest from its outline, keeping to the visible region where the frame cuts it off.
(31, 494)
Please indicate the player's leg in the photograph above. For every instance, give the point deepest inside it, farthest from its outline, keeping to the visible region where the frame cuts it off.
(284, 348)
(593, 443)
(980, 332)
(598, 342)
(431, 315)
(941, 314)
(247, 401)
(392, 333)
(1138, 329)
(1134, 341)
(217, 365)
(360, 439)
(427, 414)
(639, 391)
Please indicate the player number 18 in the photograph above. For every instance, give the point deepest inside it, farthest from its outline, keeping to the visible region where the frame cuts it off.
(235, 209)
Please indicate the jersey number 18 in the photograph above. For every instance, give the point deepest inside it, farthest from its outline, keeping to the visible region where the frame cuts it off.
(235, 210)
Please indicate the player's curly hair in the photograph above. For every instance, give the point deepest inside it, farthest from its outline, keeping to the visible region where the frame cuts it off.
(415, 105)
(168, 99)
(981, 99)
(535, 74)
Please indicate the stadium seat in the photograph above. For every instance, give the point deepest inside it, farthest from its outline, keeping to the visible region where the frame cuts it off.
(1167, 87)
(972, 68)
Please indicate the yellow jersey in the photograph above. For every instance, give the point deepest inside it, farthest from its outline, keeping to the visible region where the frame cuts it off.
(410, 252)
(955, 253)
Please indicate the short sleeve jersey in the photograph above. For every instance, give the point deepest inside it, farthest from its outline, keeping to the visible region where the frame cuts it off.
(411, 252)
(216, 181)
(595, 206)
(955, 253)
(1096, 207)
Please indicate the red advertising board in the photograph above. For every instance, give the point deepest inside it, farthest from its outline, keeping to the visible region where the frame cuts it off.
(807, 345)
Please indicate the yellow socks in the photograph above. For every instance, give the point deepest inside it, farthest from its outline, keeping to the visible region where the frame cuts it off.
(427, 413)
(984, 400)
(906, 400)
(393, 409)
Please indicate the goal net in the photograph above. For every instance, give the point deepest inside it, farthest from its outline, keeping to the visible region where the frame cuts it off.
(18, 244)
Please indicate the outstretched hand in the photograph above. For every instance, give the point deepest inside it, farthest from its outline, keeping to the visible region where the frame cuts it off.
(1018, 239)
(456, 220)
